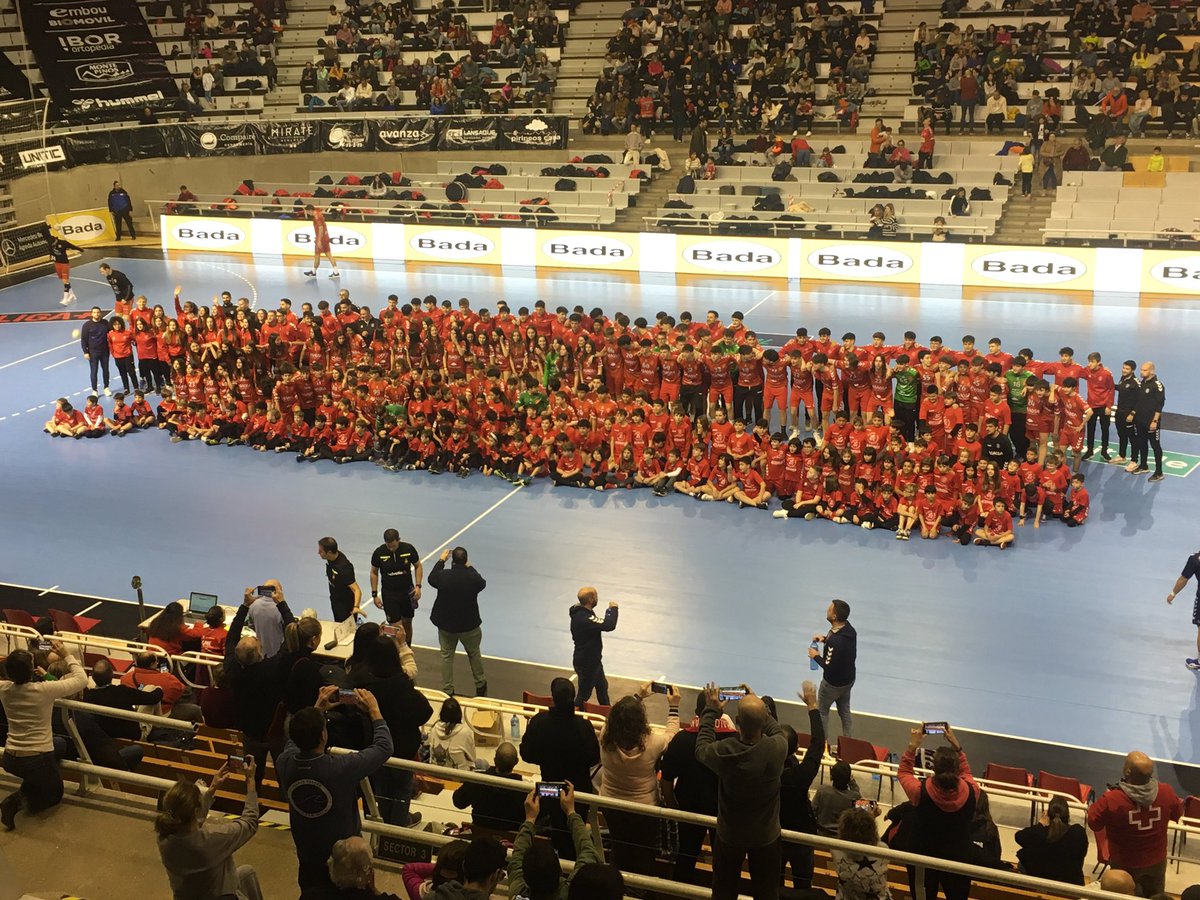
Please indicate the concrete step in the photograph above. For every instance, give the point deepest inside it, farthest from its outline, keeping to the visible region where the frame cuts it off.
(590, 47)
(599, 9)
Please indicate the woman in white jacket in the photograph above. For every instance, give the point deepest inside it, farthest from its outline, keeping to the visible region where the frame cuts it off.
(629, 754)
(451, 741)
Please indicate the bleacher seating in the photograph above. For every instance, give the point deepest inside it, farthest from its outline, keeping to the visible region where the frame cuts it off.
(1097, 205)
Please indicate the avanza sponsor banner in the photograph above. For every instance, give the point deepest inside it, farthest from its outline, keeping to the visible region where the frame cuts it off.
(85, 226)
(452, 245)
(210, 234)
(859, 260)
(733, 256)
(584, 249)
(1064, 268)
(404, 133)
(98, 60)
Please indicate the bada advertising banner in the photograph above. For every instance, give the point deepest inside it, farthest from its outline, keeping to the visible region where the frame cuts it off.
(860, 261)
(1064, 268)
(1171, 271)
(222, 235)
(586, 249)
(84, 226)
(98, 60)
(347, 240)
(452, 245)
(720, 255)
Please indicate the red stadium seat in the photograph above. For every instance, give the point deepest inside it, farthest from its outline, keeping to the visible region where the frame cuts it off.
(1008, 775)
(854, 750)
(597, 709)
(1064, 785)
(120, 666)
(64, 621)
(19, 617)
(536, 700)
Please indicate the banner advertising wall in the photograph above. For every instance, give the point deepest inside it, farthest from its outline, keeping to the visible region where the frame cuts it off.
(85, 226)
(532, 133)
(98, 60)
(474, 133)
(404, 134)
(979, 266)
(217, 140)
(24, 243)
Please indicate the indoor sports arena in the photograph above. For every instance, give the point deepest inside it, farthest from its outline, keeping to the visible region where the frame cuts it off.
(567, 386)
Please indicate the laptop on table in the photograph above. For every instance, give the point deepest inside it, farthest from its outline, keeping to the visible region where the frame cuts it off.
(199, 604)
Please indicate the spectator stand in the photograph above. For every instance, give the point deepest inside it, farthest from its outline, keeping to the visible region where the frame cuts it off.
(1079, 57)
(838, 200)
(439, 58)
(736, 66)
(1132, 208)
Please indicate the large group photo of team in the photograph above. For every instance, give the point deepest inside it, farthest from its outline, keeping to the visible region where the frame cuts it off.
(968, 442)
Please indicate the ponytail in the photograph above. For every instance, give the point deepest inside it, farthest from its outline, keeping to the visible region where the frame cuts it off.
(181, 807)
(298, 635)
(1060, 816)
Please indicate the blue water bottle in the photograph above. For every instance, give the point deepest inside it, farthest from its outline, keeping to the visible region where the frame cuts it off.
(812, 663)
(514, 727)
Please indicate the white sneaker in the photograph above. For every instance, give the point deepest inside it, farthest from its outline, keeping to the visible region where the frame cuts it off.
(335, 274)
(65, 301)
(71, 296)
(107, 391)
(780, 514)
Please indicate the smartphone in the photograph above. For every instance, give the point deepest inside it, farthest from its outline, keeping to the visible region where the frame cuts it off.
(866, 804)
(731, 693)
(550, 789)
(164, 667)
(235, 763)
(657, 687)
(934, 728)
(43, 645)
(265, 590)
(347, 695)
(389, 630)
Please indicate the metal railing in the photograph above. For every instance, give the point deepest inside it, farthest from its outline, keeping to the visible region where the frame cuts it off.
(836, 228)
(1124, 236)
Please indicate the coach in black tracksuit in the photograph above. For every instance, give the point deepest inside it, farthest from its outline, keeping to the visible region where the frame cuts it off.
(587, 631)
(1147, 419)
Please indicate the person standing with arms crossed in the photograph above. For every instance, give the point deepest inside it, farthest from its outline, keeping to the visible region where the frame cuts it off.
(321, 243)
(1146, 416)
(120, 204)
(1190, 568)
(838, 657)
(400, 566)
(455, 613)
(587, 631)
(345, 596)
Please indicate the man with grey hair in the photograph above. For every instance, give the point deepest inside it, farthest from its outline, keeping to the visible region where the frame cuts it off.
(352, 871)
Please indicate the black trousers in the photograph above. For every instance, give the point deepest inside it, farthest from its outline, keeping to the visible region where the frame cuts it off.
(591, 677)
(41, 783)
(98, 360)
(1099, 414)
(800, 857)
(691, 839)
(691, 398)
(906, 419)
(127, 218)
(1017, 434)
(764, 863)
(1125, 437)
(748, 404)
(1143, 441)
(955, 887)
(128, 375)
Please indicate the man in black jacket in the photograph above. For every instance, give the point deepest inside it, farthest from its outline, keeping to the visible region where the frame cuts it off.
(93, 337)
(587, 631)
(257, 685)
(564, 745)
(795, 807)
(118, 696)
(838, 657)
(456, 616)
(1146, 418)
(494, 808)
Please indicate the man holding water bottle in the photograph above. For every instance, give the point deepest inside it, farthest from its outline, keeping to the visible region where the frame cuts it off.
(836, 653)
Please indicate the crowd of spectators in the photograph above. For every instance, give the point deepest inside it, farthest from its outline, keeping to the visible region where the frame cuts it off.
(460, 70)
(1119, 67)
(747, 67)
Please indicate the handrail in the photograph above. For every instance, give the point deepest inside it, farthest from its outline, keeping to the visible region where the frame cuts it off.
(128, 715)
(391, 209)
(671, 223)
(979, 873)
(86, 641)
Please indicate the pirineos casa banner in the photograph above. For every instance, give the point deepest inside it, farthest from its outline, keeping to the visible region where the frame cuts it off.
(98, 60)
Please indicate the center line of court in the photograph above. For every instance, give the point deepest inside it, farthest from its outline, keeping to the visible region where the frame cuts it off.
(475, 521)
(61, 362)
(759, 303)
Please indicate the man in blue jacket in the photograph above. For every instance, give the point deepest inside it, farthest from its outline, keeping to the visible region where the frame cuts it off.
(587, 631)
(120, 204)
(322, 790)
(93, 337)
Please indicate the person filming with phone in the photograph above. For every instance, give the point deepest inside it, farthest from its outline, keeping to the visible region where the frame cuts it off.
(836, 653)
(197, 851)
(321, 789)
(945, 808)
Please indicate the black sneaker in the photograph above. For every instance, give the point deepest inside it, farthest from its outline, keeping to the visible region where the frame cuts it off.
(1106, 456)
(481, 690)
(1141, 470)
(1087, 454)
(8, 811)
(1157, 476)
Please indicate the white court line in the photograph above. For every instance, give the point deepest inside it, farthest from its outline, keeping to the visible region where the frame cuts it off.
(36, 355)
(759, 303)
(61, 362)
(436, 550)
(90, 608)
(48, 590)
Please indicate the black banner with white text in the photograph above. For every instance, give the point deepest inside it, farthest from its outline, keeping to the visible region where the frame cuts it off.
(98, 60)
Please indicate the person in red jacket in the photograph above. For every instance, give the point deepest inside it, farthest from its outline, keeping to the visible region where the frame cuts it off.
(1135, 816)
(1101, 389)
(120, 346)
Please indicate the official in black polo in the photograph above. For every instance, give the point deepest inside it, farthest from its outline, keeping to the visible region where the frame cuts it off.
(396, 562)
(345, 596)
(1146, 418)
(456, 615)
(1190, 568)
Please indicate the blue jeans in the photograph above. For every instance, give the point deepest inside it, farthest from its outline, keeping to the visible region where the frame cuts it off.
(827, 696)
(98, 360)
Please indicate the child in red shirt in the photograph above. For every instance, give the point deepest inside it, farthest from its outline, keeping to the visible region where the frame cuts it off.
(997, 530)
(1078, 502)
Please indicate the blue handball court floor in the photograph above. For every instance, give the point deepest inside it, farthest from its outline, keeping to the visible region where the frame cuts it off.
(1067, 637)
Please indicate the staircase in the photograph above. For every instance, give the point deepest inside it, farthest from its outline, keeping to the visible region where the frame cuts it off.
(593, 23)
(650, 199)
(1023, 218)
(891, 73)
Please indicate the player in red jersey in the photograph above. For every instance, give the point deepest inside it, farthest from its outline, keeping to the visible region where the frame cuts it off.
(997, 530)
(1078, 503)
(1101, 390)
(321, 243)
(1073, 412)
